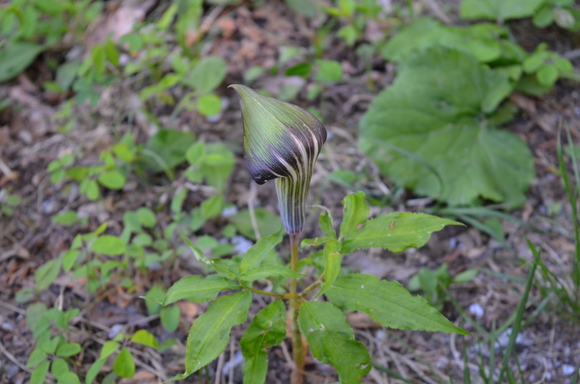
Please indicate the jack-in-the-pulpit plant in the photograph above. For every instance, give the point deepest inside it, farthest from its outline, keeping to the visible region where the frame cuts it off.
(282, 142)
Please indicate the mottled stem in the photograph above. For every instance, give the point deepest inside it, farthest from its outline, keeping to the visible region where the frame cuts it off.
(298, 350)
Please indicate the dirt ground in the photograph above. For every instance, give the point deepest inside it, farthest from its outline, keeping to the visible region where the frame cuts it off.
(548, 347)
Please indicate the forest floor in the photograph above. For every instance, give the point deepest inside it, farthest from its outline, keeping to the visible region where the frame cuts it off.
(548, 347)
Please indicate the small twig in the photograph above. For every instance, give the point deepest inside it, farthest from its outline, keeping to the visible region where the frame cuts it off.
(12, 358)
(218, 370)
(5, 168)
(12, 308)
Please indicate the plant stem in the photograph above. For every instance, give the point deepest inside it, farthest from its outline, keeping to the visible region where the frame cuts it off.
(298, 351)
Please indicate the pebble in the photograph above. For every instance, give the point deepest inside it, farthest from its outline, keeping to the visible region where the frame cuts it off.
(115, 330)
(567, 370)
(241, 244)
(476, 310)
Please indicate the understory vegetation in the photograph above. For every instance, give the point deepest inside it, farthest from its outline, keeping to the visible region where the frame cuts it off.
(136, 248)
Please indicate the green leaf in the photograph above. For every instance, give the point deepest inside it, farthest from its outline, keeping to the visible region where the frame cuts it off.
(68, 378)
(269, 270)
(544, 16)
(112, 179)
(58, 368)
(36, 357)
(16, 57)
(388, 303)
(268, 223)
(154, 298)
(498, 9)
(266, 330)
(94, 371)
(35, 318)
(325, 222)
(166, 149)
(356, 212)
(39, 374)
(483, 41)
(145, 338)
(198, 289)
(333, 260)
(170, 318)
(124, 365)
(428, 132)
(198, 253)
(329, 71)
(108, 348)
(69, 258)
(210, 333)
(195, 153)
(47, 273)
(212, 207)
(68, 349)
(146, 217)
(332, 341)
(254, 256)
(108, 245)
(207, 74)
(209, 105)
(66, 218)
(547, 75)
(302, 69)
(396, 232)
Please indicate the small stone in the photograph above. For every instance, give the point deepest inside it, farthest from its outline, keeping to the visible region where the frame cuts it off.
(476, 310)
(567, 369)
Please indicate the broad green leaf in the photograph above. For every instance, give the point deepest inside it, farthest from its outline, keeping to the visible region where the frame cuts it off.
(68, 378)
(94, 371)
(66, 218)
(481, 40)
(112, 179)
(35, 318)
(388, 303)
(395, 231)
(268, 223)
(547, 75)
(146, 217)
(39, 374)
(356, 211)
(333, 259)
(210, 333)
(36, 356)
(58, 368)
(154, 298)
(269, 270)
(329, 71)
(15, 57)
(195, 153)
(170, 317)
(47, 273)
(209, 105)
(332, 340)
(499, 10)
(429, 132)
(266, 330)
(145, 338)
(207, 74)
(212, 207)
(254, 256)
(69, 258)
(124, 365)
(68, 349)
(166, 149)
(108, 245)
(108, 348)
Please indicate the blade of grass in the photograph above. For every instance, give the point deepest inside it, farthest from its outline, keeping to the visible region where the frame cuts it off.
(519, 313)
